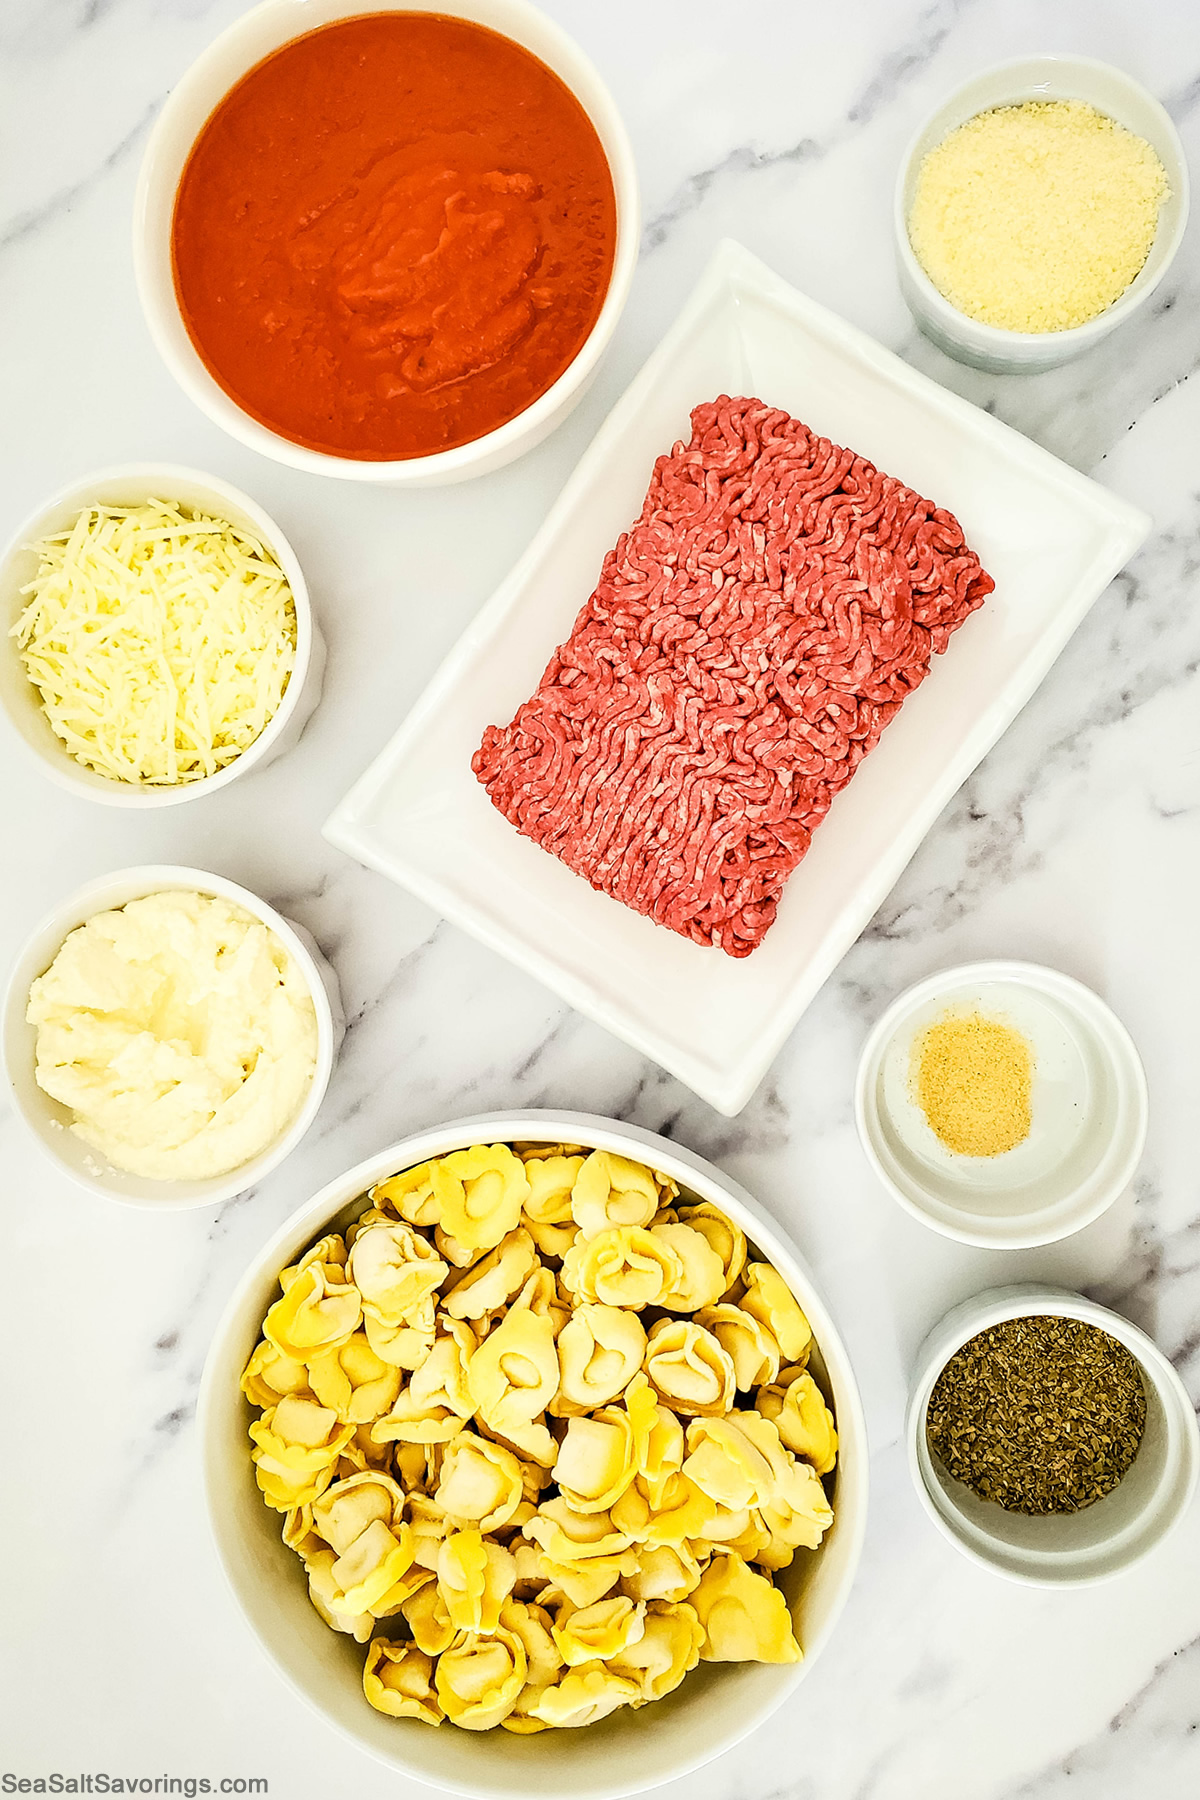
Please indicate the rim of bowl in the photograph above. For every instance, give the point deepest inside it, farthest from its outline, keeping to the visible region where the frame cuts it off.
(161, 481)
(1018, 1300)
(142, 880)
(169, 331)
(1078, 997)
(548, 1126)
(997, 339)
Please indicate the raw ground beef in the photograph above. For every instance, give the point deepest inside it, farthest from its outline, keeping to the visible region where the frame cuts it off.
(746, 644)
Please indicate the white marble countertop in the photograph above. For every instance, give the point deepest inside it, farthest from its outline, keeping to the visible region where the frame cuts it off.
(1077, 843)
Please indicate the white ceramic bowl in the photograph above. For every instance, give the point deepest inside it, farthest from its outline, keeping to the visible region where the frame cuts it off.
(49, 1121)
(1089, 1110)
(714, 1708)
(190, 104)
(1111, 91)
(132, 486)
(1102, 1540)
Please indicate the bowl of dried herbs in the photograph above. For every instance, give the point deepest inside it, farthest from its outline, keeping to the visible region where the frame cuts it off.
(1049, 1437)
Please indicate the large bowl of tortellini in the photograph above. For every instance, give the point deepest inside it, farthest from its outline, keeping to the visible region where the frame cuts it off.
(533, 1429)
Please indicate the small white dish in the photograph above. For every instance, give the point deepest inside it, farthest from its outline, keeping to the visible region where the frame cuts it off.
(133, 485)
(1063, 1549)
(715, 1708)
(1110, 91)
(50, 1122)
(1089, 1108)
(238, 49)
(1051, 539)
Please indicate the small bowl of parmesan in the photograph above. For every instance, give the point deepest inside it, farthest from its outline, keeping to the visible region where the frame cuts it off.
(168, 1036)
(1049, 1439)
(1037, 210)
(159, 638)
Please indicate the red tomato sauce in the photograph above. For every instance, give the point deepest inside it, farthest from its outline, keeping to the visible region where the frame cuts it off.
(393, 235)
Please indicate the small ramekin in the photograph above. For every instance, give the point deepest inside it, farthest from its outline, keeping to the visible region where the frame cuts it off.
(1090, 1110)
(133, 485)
(1111, 91)
(1063, 1549)
(49, 1121)
(239, 49)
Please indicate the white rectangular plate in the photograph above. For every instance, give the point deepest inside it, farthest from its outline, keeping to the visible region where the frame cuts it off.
(1051, 539)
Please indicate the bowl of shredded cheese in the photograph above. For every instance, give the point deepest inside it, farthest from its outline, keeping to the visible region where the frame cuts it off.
(1039, 207)
(159, 639)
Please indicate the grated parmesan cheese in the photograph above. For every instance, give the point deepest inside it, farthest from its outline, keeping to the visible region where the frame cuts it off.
(1036, 217)
(161, 641)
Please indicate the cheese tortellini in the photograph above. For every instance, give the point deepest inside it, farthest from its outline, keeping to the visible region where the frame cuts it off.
(480, 1193)
(610, 1191)
(353, 1381)
(689, 1367)
(541, 1432)
(625, 1265)
(398, 1679)
(797, 1407)
(600, 1350)
(318, 1311)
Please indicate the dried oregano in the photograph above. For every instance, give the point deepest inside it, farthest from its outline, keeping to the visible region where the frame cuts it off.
(1041, 1415)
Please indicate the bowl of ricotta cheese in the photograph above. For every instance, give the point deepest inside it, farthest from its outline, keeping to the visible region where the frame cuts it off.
(169, 1037)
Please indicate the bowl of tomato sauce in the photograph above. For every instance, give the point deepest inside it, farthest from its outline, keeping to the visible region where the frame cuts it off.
(383, 243)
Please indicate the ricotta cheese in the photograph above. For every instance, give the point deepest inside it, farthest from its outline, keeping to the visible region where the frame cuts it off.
(179, 1031)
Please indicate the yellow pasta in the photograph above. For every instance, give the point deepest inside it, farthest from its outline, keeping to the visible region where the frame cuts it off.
(769, 1299)
(625, 1265)
(802, 1418)
(475, 1576)
(600, 1631)
(397, 1272)
(542, 1431)
(600, 1350)
(513, 1375)
(743, 1615)
(726, 1238)
(480, 1193)
(398, 1680)
(751, 1348)
(479, 1679)
(344, 1511)
(353, 1381)
(701, 1281)
(317, 1311)
(688, 1366)
(665, 1650)
(611, 1191)
(595, 1462)
(534, 1626)
(269, 1375)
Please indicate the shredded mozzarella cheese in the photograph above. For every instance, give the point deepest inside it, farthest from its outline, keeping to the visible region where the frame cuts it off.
(160, 639)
